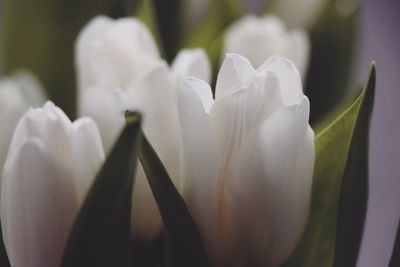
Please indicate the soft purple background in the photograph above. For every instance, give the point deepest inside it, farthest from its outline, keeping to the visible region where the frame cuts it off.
(381, 42)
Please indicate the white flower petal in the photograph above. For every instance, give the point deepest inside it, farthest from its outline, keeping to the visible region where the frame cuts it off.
(88, 58)
(298, 50)
(17, 94)
(88, 154)
(200, 158)
(267, 32)
(287, 146)
(45, 123)
(192, 62)
(30, 87)
(288, 77)
(38, 207)
(155, 95)
(234, 116)
(112, 52)
(270, 187)
(145, 217)
(236, 72)
(202, 90)
(107, 108)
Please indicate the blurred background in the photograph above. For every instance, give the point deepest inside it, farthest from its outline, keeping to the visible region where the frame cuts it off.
(380, 41)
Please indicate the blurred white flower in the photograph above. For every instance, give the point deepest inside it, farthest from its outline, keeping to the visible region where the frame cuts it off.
(17, 94)
(248, 160)
(49, 168)
(111, 53)
(145, 83)
(258, 38)
(299, 13)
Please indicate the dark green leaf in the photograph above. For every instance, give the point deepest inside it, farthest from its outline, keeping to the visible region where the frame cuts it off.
(169, 21)
(184, 246)
(149, 253)
(395, 259)
(355, 185)
(40, 35)
(101, 235)
(336, 160)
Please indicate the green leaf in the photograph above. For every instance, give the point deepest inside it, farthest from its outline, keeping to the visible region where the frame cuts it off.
(333, 49)
(184, 246)
(340, 187)
(40, 35)
(101, 235)
(355, 185)
(395, 259)
(169, 21)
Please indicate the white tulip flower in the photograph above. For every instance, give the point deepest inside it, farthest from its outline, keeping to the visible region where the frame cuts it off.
(110, 53)
(248, 160)
(258, 38)
(129, 74)
(49, 169)
(18, 93)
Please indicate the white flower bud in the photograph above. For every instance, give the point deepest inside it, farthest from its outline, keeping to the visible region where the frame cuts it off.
(49, 168)
(119, 68)
(248, 160)
(259, 38)
(17, 94)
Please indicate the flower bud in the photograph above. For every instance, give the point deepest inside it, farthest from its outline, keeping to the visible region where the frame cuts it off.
(248, 160)
(17, 94)
(138, 79)
(258, 38)
(49, 168)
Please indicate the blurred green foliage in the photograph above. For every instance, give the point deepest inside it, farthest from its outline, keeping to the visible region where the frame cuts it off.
(40, 36)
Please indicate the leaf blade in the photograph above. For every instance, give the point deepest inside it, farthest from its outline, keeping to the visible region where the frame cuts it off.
(101, 235)
(333, 144)
(184, 246)
(355, 185)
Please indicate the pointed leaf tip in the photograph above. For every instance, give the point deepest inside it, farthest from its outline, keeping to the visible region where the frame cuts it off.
(101, 235)
(340, 186)
(355, 185)
(132, 116)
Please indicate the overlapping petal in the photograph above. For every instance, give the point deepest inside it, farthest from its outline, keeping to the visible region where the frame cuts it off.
(271, 38)
(38, 206)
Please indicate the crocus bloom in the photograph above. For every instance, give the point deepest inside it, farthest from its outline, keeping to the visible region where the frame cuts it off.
(248, 160)
(119, 68)
(258, 38)
(49, 168)
(18, 93)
